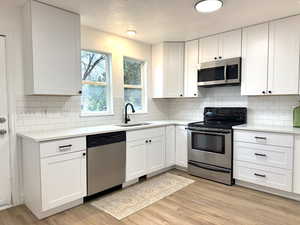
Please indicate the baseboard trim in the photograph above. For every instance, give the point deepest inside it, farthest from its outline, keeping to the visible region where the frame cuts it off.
(273, 191)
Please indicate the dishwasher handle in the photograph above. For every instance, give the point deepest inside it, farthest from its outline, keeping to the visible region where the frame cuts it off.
(105, 139)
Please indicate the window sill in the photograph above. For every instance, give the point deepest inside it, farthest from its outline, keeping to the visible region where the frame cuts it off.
(97, 114)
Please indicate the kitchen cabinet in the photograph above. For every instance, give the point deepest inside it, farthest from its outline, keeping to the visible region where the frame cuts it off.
(170, 146)
(181, 146)
(296, 176)
(54, 174)
(145, 152)
(52, 50)
(191, 69)
(168, 70)
(255, 60)
(271, 54)
(221, 46)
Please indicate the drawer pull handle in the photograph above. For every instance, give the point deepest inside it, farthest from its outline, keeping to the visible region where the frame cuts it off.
(64, 148)
(260, 175)
(259, 154)
(261, 138)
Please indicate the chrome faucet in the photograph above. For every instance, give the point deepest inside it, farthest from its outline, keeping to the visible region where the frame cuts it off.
(127, 119)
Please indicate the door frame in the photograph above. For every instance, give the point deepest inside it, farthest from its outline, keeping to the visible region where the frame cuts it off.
(3, 37)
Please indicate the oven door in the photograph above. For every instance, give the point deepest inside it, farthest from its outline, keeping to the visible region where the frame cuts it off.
(210, 147)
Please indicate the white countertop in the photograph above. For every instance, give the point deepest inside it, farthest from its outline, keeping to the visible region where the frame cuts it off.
(49, 135)
(268, 128)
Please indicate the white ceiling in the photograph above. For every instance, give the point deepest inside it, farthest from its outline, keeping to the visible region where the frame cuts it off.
(174, 20)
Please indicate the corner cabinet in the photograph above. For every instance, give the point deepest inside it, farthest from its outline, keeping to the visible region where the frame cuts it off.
(168, 70)
(181, 147)
(270, 58)
(191, 69)
(51, 50)
(221, 46)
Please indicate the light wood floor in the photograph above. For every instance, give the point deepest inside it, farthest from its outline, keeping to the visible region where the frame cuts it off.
(201, 203)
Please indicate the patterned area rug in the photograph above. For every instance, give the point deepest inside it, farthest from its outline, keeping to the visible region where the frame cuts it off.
(127, 201)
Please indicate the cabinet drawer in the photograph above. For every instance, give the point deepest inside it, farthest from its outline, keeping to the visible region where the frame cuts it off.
(266, 176)
(284, 140)
(265, 155)
(144, 133)
(58, 147)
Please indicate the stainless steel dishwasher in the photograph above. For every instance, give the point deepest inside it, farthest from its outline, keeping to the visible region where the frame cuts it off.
(106, 160)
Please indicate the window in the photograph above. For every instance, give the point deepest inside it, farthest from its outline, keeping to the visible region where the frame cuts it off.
(134, 83)
(96, 88)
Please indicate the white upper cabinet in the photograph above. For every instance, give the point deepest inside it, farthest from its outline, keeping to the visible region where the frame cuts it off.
(52, 50)
(284, 51)
(168, 70)
(191, 67)
(255, 60)
(221, 46)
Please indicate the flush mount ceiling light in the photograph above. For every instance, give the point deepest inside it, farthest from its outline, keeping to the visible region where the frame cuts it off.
(131, 32)
(207, 6)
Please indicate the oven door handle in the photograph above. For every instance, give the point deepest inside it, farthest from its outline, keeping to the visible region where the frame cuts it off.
(224, 133)
(208, 167)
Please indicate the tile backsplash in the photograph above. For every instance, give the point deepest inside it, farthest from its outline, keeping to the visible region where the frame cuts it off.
(264, 110)
(49, 112)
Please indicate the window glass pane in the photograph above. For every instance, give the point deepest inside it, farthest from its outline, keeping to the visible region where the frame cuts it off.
(93, 66)
(132, 71)
(134, 96)
(94, 98)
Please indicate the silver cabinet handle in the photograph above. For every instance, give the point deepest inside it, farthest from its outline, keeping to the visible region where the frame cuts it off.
(260, 175)
(3, 132)
(259, 154)
(65, 148)
(262, 138)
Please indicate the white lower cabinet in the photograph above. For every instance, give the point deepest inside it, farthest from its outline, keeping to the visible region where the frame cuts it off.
(145, 152)
(296, 177)
(181, 146)
(170, 146)
(264, 158)
(54, 175)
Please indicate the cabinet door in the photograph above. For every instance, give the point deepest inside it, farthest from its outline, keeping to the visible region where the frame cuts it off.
(296, 178)
(209, 50)
(181, 146)
(56, 50)
(155, 154)
(231, 44)
(63, 179)
(173, 69)
(170, 146)
(135, 159)
(191, 67)
(255, 60)
(284, 56)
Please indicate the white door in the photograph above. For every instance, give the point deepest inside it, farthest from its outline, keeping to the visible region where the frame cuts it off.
(181, 146)
(255, 60)
(209, 48)
(63, 179)
(191, 67)
(155, 154)
(170, 146)
(5, 189)
(284, 56)
(231, 44)
(135, 159)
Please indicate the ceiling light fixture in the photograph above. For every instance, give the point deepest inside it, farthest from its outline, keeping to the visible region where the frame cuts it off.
(131, 32)
(207, 6)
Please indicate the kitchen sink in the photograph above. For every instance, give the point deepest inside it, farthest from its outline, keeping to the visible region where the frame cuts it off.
(133, 124)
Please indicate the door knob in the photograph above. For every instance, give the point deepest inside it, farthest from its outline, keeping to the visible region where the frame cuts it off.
(2, 120)
(3, 132)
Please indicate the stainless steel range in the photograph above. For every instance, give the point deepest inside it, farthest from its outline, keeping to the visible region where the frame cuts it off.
(210, 143)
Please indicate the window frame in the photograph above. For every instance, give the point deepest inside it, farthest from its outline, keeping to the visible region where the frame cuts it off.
(108, 84)
(142, 86)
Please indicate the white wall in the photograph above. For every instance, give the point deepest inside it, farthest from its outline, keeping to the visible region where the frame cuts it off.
(268, 110)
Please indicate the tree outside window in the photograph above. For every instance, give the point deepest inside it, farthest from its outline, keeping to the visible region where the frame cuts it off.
(95, 72)
(134, 76)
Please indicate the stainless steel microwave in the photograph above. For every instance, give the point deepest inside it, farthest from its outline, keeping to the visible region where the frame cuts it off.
(221, 72)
